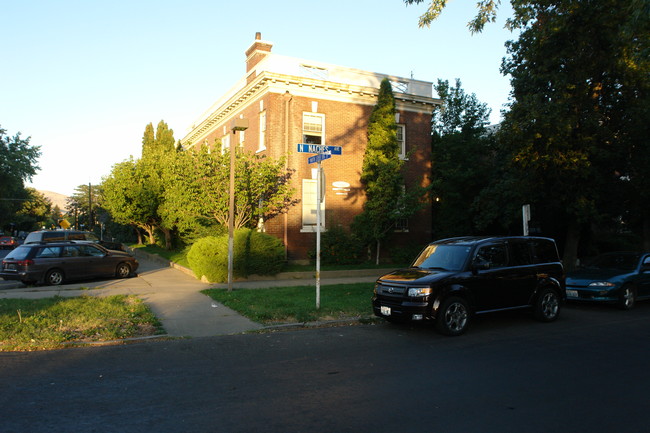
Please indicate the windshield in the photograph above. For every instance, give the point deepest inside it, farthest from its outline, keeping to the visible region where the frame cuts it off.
(624, 262)
(447, 257)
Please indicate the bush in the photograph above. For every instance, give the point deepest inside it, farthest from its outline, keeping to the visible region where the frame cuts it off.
(338, 247)
(405, 255)
(254, 253)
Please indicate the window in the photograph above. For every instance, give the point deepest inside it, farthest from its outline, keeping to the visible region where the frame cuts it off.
(401, 140)
(309, 204)
(520, 253)
(313, 128)
(225, 144)
(48, 252)
(495, 255)
(402, 225)
(262, 144)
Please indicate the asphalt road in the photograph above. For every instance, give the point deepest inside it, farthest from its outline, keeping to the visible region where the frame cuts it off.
(588, 372)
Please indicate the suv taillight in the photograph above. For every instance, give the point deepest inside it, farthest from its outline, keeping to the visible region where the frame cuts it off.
(25, 262)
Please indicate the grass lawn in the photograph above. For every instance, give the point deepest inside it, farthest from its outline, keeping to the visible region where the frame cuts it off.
(298, 304)
(52, 323)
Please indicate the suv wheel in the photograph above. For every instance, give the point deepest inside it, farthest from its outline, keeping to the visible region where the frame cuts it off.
(453, 316)
(54, 277)
(627, 298)
(123, 270)
(547, 305)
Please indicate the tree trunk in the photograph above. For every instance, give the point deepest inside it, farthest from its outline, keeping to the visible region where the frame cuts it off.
(377, 257)
(168, 238)
(570, 256)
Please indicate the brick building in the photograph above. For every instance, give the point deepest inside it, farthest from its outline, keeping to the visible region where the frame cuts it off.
(289, 101)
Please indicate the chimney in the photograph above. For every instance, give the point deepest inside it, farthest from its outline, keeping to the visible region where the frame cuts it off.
(257, 52)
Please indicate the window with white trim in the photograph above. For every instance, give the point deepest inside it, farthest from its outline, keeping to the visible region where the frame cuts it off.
(313, 128)
(401, 140)
(309, 206)
(225, 144)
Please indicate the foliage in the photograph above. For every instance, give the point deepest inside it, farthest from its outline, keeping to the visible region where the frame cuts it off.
(128, 197)
(18, 163)
(82, 206)
(576, 69)
(298, 304)
(50, 323)
(199, 189)
(253, 253)
(35, 212)
(464, 161)
(387, 198)
(459, 111)
(340, 247)
(487, 11)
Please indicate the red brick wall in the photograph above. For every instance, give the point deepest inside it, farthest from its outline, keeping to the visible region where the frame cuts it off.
(345, 126)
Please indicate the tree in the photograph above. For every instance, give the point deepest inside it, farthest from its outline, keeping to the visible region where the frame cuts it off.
(568, 125)
(387, 199)
(487, 12)
(35, 212)
(83, 203)
(18, 163)
(198, 189)
(128, 197)
(463, 160)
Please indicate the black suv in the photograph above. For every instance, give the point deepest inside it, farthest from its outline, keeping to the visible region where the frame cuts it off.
(70, 235)
(454, 278)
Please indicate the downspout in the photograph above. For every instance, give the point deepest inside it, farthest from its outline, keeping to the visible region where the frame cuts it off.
(287, 111)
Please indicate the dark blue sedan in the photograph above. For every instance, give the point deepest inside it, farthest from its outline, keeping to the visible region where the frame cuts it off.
(621, 278)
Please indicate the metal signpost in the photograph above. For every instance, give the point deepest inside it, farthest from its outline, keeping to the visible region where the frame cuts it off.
(322, 152)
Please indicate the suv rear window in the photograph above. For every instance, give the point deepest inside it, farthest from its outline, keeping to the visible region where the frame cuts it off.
(544, 251)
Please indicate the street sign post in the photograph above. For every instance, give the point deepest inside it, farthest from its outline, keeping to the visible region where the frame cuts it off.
(322, 153)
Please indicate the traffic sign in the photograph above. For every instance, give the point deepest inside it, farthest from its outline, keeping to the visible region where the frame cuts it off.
(319, 148)
(318, 157)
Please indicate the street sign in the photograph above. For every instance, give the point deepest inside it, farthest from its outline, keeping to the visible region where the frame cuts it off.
(319, 148)
(318, 157)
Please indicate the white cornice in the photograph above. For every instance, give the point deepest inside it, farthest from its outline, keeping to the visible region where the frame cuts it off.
(298, 86)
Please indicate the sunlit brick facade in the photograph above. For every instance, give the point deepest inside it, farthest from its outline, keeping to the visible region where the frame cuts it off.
(289, 101)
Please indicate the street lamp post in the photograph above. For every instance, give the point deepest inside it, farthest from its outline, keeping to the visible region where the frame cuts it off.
(236, 125)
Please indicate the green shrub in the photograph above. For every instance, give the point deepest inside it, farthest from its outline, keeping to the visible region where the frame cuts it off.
(405, 255)
(254, 253)
(338, 247)
(204, 258)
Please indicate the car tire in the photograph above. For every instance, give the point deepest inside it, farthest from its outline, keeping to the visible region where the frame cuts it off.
(627, 298)
(547, 305)
(453, 316)
(54, 277)
(123, 270)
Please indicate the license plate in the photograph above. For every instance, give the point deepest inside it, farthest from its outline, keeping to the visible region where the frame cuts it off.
(572, 293)
(9, 267)
(385, 311)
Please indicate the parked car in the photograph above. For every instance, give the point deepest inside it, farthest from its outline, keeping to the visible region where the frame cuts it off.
(452, 279)
(8, 242)
(53, 263)
(70, 235)
(621, 278)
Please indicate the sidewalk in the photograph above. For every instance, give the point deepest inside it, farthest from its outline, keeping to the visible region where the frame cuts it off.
(175, 298)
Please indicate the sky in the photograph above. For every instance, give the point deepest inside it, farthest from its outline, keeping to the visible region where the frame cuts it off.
(83, 78)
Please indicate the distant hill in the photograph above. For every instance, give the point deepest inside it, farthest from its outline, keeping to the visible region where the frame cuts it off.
(56, 199)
